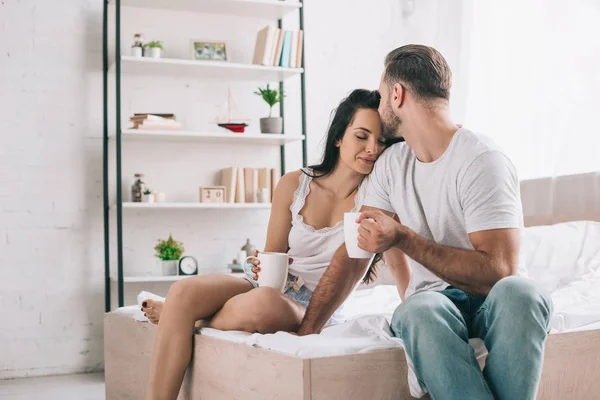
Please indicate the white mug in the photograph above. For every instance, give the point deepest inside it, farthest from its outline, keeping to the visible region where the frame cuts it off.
(351, 236)
(273, 269)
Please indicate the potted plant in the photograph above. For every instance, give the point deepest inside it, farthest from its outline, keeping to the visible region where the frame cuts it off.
(169, 252)
(148, 196)
(271, 97)
(153, 49)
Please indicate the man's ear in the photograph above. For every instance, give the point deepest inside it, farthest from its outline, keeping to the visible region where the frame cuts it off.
(398, 92)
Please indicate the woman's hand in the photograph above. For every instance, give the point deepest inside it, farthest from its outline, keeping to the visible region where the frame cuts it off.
(256, 265)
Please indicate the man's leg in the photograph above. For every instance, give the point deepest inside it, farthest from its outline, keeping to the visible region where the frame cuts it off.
(436, 339)
(514, 321)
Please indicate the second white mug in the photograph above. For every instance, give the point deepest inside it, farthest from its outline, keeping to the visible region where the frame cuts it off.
(273, 269)
(351, 236)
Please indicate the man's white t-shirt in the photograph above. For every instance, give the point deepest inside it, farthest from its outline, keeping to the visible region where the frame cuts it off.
(472, 187)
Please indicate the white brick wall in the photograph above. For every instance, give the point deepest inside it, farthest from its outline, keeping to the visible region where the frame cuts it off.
(51, 240)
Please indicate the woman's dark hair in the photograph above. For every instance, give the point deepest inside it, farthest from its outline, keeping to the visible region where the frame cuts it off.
(343, 116)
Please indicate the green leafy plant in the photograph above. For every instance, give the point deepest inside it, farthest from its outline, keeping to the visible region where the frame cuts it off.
(147, 192)
(270, 96)
(169, 249)
(154, 44)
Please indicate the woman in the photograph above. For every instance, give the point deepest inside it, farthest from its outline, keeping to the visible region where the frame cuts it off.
(306, 222)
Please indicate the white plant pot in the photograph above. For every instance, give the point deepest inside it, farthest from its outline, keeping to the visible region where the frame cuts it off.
(152, 52)
(149, 198)
(169, 268)
(136, 52)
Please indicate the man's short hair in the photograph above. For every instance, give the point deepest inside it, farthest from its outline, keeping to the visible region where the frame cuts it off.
(422, 69)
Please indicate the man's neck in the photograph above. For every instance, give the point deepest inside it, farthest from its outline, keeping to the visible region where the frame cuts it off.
(429, 133)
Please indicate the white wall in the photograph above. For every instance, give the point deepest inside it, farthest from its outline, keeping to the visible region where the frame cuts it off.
(51, 240)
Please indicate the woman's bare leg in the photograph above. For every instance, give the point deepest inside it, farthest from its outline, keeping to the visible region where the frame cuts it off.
(262, 310)
(188, 301)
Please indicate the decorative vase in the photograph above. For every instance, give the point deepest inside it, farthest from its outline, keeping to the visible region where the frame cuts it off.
(152, 52)
(169, 267)
(159, 197)
(136, 51)
(271, 125)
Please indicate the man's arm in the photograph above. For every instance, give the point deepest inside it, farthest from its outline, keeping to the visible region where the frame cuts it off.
(474, 271)
(334, 287)
(495, 254)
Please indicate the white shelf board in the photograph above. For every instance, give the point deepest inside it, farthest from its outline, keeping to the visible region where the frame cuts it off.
(266, 9)
(174, 278)
(207, 206)
(204, 69)
(215, 137)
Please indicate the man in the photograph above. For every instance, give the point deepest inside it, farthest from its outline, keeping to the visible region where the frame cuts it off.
(458, 212)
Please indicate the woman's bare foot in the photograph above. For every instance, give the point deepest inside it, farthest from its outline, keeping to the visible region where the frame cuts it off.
(152, 310)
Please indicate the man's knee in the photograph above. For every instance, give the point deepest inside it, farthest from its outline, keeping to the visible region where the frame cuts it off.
(521, 295)
(422, 309)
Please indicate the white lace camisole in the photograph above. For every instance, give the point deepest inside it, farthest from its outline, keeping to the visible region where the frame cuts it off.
(312, 249)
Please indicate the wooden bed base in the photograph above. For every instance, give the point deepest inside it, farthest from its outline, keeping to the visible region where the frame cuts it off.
(223, 370)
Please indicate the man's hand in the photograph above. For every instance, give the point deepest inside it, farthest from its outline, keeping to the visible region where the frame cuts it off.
(378, 232)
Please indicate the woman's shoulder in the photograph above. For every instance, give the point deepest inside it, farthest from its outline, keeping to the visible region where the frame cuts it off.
(288, 184)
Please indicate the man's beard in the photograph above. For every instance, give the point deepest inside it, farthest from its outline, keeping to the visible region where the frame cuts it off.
(391, 124)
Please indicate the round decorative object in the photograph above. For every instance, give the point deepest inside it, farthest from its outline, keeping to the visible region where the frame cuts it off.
(188, 265)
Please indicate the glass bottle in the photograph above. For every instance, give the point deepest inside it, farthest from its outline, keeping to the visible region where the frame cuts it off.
(138, 43)
(137, 189)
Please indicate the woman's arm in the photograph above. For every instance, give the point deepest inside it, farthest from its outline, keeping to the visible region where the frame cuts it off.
(280, 221)
(397, 261)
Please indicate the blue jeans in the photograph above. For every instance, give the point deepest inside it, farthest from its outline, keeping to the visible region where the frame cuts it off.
(513, 321)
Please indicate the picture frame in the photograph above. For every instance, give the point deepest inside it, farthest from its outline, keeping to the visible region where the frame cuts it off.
(206, 50)
(212, 194)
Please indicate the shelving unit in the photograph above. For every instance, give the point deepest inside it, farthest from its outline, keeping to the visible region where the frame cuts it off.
(211, 137)
(155, 279)
(127, 65)
(213, 69)
(267, 9)
(202, 206)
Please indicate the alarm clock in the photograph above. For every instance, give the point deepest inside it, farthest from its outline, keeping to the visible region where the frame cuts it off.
(188, 266)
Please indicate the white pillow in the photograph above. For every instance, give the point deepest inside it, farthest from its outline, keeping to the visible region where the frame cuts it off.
(555, 255)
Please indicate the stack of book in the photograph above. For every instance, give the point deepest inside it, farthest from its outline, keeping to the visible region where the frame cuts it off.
(155, 122)
(278, 48)
(242, 184)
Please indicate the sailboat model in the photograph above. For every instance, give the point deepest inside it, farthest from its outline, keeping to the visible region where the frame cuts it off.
(228, 117)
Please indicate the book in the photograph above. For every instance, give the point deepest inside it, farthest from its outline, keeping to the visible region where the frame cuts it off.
(229, 179)
(240, 190)
(279, 48)
(264, 46)
(287, 49)
(294, 49)
(277, 33)
(250, 184)
(264, 179)
(300, 44)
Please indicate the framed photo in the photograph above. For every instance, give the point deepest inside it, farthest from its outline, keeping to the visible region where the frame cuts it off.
(209, 51)
(212, 194)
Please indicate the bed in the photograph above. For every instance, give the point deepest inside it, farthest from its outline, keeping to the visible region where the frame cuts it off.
(358, 360)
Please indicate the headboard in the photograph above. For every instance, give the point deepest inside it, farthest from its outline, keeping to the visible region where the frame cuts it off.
(536, 220)
(564, 198)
